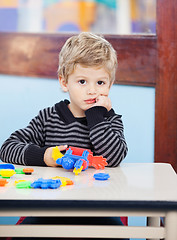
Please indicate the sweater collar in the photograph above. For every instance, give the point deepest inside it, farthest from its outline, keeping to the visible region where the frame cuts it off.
(66, 115)
(64, 112)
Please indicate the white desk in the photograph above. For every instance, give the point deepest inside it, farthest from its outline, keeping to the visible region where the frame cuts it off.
(132, 190)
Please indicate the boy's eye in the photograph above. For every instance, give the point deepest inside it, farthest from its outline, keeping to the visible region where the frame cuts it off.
(100, 82)
(82, 81)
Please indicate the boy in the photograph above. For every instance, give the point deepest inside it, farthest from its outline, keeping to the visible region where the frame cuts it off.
(87, 66)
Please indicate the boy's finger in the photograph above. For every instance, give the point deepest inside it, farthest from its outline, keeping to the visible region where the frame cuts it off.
(62, 147)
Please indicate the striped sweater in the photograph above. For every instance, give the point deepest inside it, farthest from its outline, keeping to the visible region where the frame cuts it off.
(101, 131)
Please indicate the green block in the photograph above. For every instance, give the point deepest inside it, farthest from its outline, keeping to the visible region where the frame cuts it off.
(19, 171)
(25, 184)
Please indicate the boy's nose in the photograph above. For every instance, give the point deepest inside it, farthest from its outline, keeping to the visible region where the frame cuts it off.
(91, 90)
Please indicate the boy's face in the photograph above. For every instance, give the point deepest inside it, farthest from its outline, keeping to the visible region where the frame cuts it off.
(85, 85)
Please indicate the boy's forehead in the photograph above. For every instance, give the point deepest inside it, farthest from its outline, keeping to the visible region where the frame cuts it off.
(83, 68)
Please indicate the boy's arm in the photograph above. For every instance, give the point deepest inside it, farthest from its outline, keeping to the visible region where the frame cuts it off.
(25, 146)
(106, 135)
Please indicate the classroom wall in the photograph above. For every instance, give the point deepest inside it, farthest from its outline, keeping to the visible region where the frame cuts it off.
(22, 97)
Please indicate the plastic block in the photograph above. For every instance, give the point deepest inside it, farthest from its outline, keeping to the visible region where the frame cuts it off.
(64, 180)
(67, 163)
(23, 184)
(97, 162)
(7, 173)
(3, 182)
(7, 166)
(78, 151)
(77, 171)
(101, 176)
(19, 171)
(56, 153)
(28, 171)
(46, 183)
(78, 164)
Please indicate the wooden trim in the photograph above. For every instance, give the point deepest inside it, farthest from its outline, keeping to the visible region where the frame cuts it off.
(166, 84)
(37, 55)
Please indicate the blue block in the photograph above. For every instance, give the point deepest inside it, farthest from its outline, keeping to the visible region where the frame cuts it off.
(101, 176)
(7, 166)
(46, 183)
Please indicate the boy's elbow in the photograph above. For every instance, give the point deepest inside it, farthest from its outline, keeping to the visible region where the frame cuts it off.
(118, 158)
(4, 152)
(2, 158)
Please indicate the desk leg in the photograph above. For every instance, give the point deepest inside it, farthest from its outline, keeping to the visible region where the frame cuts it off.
(153, 222)
(171, 226)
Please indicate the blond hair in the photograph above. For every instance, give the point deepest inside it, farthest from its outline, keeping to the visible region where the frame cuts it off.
(89, 50)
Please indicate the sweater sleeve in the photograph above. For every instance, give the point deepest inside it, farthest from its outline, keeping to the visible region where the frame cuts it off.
(107, 135)
(25, 146)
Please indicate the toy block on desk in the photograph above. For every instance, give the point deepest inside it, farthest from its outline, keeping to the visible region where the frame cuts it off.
(97, 162)
(23, 184)
(19, 171)
(64, 181)
(78, 151)
(56, 153)
(7, 173)
(3, 182)
(79, 159)
(28, 171)
(101, 176)
(46, 183)
(76, 171)
(71, 161)
(7, 166)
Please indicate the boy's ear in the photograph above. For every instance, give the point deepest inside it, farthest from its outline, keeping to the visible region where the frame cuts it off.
(63, 84)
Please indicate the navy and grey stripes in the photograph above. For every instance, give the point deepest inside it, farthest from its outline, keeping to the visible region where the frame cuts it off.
(27, 146)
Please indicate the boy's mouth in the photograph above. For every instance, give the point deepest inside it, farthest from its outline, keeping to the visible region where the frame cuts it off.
(90, 101)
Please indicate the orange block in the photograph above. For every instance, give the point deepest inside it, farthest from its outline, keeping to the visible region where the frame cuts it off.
(3, 182)
(28, 170)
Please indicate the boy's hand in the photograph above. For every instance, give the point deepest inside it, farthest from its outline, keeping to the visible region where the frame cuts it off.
(49, 161)
(103, 101)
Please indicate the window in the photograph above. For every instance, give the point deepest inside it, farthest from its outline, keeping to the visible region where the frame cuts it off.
(100, 16)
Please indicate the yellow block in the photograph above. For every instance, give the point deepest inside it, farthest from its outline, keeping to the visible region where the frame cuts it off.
(18, 181)
(78, 170)
(56, 153)
(7, 173)
(64, 180)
